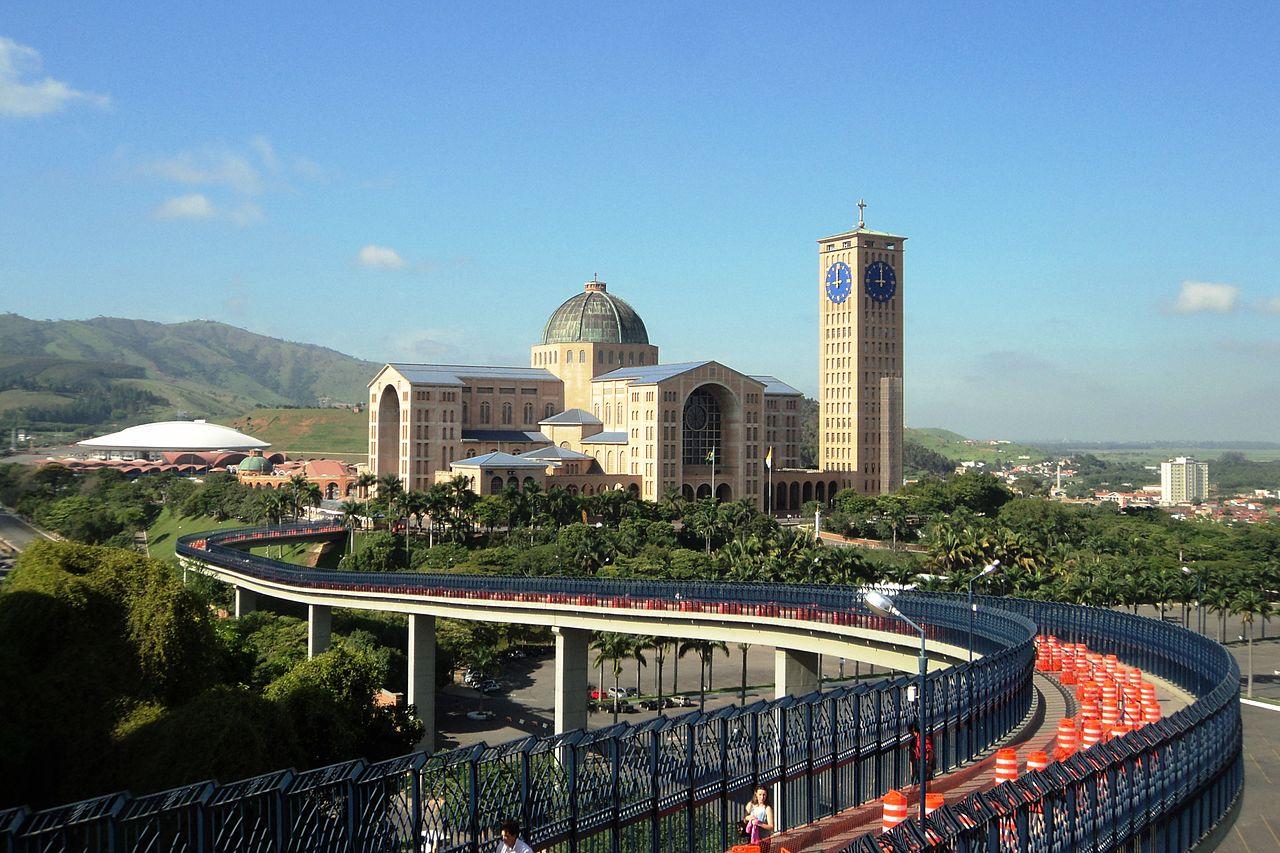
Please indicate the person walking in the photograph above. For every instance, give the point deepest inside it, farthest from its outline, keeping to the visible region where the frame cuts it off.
(511, 842)
(919, 742)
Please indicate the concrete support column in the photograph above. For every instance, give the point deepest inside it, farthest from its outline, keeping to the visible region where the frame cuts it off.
(571, 678)
(246, 601)
(422, 675)
(319, 626)
(794, 673)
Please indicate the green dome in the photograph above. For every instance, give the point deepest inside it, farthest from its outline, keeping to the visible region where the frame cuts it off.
(251, 464)
(594, 316)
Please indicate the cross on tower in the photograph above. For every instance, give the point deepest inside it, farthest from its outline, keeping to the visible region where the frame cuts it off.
(862, 205)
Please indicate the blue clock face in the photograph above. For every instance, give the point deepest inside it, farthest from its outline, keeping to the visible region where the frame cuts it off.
(839, 282)
(880, 281)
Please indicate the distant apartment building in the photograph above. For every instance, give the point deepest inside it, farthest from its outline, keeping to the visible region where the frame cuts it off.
(1183, 480)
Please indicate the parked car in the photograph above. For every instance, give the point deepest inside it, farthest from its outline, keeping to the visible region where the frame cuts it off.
(592, 706)
(631, 691)
(594, 694)
(684, 702)
(489, 686)
(480, 715)
(653, 705)
(620, 692)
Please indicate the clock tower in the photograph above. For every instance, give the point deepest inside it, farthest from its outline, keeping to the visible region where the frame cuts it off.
(860, 358)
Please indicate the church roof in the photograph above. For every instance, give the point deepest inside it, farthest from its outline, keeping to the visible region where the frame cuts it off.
(176, 435)
(571, 417)
(616, 437)
(504, 435)
(595, 316)
(454, 374)
(555, 454)
(650, 373)
(497, 460)
(774, 385)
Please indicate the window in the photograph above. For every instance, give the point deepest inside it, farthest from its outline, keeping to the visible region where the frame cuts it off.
(506, 413)
(582, 356)
(528, 413)
(701, 428)
(548, 410)
(568, 357)
(484, 413)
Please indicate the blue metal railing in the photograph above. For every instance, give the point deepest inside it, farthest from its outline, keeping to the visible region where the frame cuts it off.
(677, 783)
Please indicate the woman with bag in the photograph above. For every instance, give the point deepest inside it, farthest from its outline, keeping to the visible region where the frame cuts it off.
(759, 819)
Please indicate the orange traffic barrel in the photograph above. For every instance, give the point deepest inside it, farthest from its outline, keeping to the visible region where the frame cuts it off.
(1118, 730)
(1037, 761)
(1068, 676)
(895, 809)
(1091, 734)
(1068, 739)
(1006, 765)
(933, 802)
(1151, 712)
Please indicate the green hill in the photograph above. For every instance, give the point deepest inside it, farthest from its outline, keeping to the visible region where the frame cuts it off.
(118, 371)
(309, 432)
(957, 448)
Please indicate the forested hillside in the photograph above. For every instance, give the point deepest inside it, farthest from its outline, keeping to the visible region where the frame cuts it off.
(64, 374)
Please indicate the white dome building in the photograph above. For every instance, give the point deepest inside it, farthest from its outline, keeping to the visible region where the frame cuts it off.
(150, 441)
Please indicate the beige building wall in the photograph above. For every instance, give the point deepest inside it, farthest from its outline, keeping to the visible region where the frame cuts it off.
(414, 430)
(782, 429)
(577, 364)
(860, 344)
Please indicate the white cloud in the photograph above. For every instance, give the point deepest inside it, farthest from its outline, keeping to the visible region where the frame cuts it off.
(22, 95)
(1201, 297)
(246, 214)
(193, 206)
(266, 153)
(209, 166)
(380, 257)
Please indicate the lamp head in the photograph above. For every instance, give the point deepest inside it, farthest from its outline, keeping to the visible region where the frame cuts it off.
(991, 567)
(880, 603)
(1186, 570)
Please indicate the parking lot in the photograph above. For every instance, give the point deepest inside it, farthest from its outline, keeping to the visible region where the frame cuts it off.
(525, 704)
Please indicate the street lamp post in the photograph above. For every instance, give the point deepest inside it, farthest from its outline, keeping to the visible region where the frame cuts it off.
(1187, 570)
(973, 609)
(884, 606)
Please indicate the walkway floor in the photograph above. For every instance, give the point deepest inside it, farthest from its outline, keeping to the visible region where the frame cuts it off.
(1037, 733)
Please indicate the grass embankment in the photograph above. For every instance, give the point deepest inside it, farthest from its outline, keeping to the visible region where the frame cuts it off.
(339, 433)
(164, 532)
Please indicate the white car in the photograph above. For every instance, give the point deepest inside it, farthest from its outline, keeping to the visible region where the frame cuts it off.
(480, 715)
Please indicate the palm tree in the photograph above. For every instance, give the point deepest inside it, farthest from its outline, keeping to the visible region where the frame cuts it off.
(307, 494)
(705, 651)
(614, 648)
(1249, 604)
(435, 504)
(638, 645)
(350, 517)
(1218, 599)
(658, 645)
(365, 482)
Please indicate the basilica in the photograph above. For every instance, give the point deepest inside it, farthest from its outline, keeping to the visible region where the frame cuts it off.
(597, 410)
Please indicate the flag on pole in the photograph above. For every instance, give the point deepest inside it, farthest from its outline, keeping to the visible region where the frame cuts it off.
(768, 459)
(711, 457)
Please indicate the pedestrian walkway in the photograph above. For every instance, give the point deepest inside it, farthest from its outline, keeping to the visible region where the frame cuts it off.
(1039, 732)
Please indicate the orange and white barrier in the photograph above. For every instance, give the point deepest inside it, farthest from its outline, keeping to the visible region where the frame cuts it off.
(1006, 765)
(895, 809)
(933, 802)
(1037, 761)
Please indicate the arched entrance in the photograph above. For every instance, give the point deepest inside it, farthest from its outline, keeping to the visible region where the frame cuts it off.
(793, 500)
(779, 497)
(808, 494)
(686, 492)
(704, 491)
(724, 494)
(388, 460)
(331, 492)
(820, 492)
(832, 488)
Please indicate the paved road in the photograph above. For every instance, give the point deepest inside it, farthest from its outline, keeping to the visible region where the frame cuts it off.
(15, 531)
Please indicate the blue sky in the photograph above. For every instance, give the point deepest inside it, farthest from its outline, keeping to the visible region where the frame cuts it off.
(1090, 193)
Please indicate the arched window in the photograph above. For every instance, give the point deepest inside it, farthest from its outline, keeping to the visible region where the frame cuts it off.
(495, 485)
(568, 357)
(506, 413)
(608, 412)
(610, 457)
(631, 358)
(529, 481)
(642, 358)
(528, 413)
(548, 410)
(464, 411)
(611, 356)
(582, 356)
(701, 433)
(513, 482)
(484, 413)
(600, 356)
